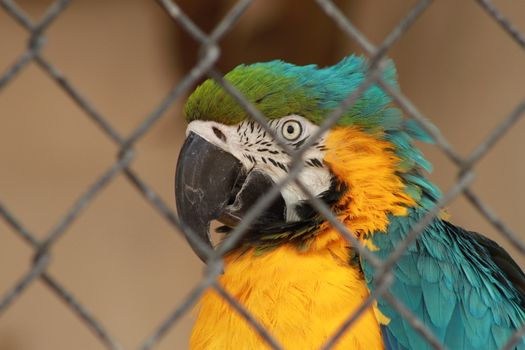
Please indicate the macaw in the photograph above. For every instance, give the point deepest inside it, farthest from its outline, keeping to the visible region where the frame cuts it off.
(293, 271)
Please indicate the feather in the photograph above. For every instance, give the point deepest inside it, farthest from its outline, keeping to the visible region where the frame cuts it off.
(440, 303)
(468, 300)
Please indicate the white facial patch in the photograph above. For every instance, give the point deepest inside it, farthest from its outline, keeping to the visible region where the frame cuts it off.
(256, 150)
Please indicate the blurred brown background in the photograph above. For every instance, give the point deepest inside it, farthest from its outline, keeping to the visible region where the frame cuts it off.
(121, 259)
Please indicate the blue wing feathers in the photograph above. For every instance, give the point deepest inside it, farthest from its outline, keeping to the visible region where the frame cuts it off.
(414, 294)
(501, 335)
(391, 343)
(476, 306)
(455, 336)
(462, 286)
(415, 339)
(407, 270)
(429, 268)
(442, 301)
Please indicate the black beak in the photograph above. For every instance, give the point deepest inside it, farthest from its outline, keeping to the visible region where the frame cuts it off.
(211, 184)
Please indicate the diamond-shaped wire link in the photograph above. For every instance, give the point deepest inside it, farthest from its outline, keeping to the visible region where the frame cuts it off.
(493, 11)
(36, 41)
(60, 291)
(482, 149)
(210, 53)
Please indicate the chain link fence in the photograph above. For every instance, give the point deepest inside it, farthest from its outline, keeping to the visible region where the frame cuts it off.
(209, 54)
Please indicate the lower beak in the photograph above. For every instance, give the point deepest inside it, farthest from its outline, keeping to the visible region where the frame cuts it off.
(211, 184)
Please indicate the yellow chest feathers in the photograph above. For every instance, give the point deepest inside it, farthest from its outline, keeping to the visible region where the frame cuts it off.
(301, 298)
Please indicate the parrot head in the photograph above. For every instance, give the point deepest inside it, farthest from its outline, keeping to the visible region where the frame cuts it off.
(365, 167)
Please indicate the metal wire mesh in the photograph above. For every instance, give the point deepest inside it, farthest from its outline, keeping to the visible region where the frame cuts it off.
(210, 52)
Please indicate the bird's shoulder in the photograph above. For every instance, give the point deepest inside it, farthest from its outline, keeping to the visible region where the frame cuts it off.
(463, 286)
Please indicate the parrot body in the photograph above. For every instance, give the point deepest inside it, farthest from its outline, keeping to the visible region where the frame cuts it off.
(293, 300)
(292, 270)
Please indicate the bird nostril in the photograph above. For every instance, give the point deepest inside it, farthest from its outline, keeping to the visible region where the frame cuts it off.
(220, 135)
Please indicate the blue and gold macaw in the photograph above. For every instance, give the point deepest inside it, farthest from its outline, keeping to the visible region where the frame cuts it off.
(292, 270)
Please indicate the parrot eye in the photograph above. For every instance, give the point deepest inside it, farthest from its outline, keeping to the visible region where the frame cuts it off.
(291, 130)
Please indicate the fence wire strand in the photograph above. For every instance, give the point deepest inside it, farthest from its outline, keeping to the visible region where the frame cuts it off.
(205, 66)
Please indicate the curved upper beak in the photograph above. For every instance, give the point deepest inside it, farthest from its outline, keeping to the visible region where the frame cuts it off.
(205, 178)
(212, 184)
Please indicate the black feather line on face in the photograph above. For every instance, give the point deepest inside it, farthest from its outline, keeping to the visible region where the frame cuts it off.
(330, 197)
(299, 143)
(264, 234)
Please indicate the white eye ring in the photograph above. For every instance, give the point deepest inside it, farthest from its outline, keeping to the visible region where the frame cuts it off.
(291, 130)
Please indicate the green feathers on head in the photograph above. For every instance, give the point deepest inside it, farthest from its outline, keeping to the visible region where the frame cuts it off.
(279, 89)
